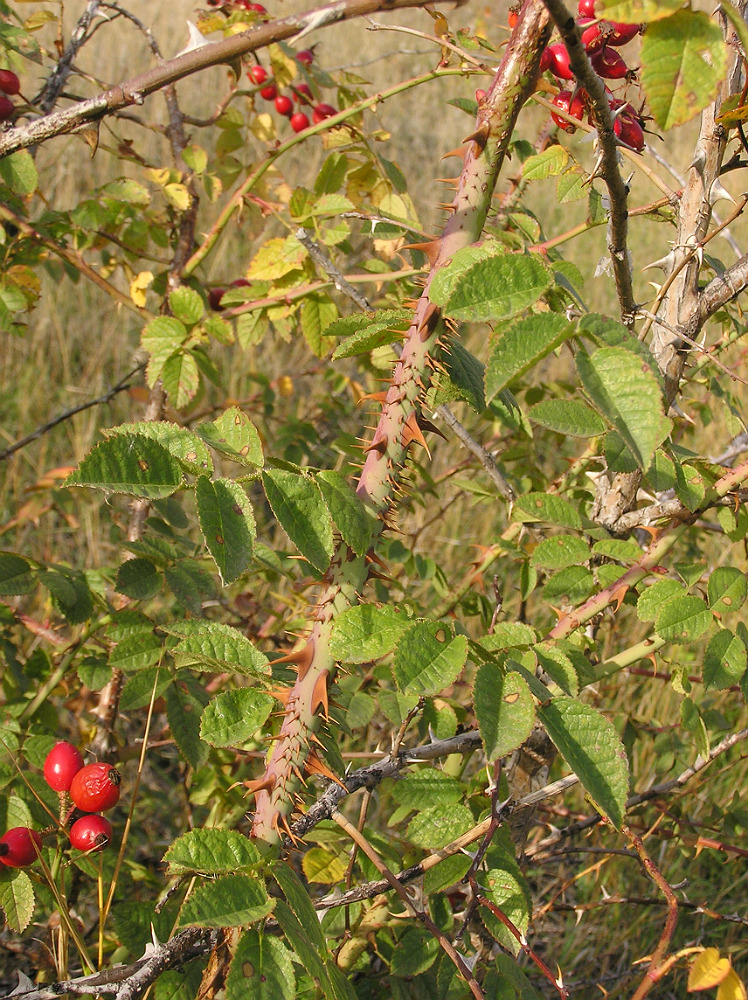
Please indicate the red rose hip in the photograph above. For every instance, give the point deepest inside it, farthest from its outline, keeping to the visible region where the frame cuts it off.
(299, 121)
(91, 833)
(257, 74)
(9, 82)
(95, 788)
(283, 105)
(19, 847)
(61, 765)
(322, 111)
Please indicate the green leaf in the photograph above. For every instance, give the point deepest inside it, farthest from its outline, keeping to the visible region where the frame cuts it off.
(569, 417)
(300, 903)
(569, 586)
(724, 660)
(416, 951)
(127, 191)
(129, 463)
(70, 592)
(18, 172)
(366, 632)
(466, 373)
(546, 508)
(447, 278)
(317, 313)
(191, 584)
(185, 446)
(356, 524)
(504, 709)
(628, 396)
(508, 635)
(690, 487)
(590, 746)
(560, 551)
(321, 865)
(426, 785)
(438, 826)
(16, 575)
(522, 345)
(364, 332)
(161, 338)
(558, 666)
(654, 598)
(228, 525)
(186, 305)
(683, 619)
(296, 501)
(183, 711)
(550, 163)
(298, 938)
(216, 646)
(211, 852)
(142, 686)
(138, 579)
(427, 659)
(180, 377)
(633, 11)
(230, 901)
(683, 61)
(234, 435)
(727, 589)
(16, 896)
(261, 968)
(508, 891)
(234, 717)
(498, 288)
(136, 653)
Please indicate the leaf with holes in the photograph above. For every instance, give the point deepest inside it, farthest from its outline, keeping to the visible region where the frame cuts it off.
(727, 589)
(227, 523)
(234, 435)
(132, 464)
(504, 709)
(180, 442)
(261, 967)
(427, 659)
(684, 619)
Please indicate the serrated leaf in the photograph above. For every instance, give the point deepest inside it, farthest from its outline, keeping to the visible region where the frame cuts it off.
(628, 396)
(143, 686)
(522, 345)
(416, 951)
(16, 575)
(504, 709)
(427, 659)
(297, 503)
(136, 653)
(234, 435)
(466, 373)
(507, 635)
(138, 579)
(498, 288)
(180, 442)
(560, 551)
(186, 305)
(683, 61)
(233, 717)
(508, 891)
(183, 711)
(16, 898)
(365, 332)
(426, 785)
(191, 584)
(590, 746)
(558, 666)
(446, 279)
(261, 968)
(550, 163)
(317, 313)
(683, 619)
(180, 376)
(211, 852)
(129, 463)
(276, 258)
(727, 589)
(161, 338)
(301, 904)
(438, 826)
(230, 901)
(366, 632)
(18, 172)
(569, 586)
(298, 938)
(356, 524)
(654, 598)
(546, 508)
(570, 417)
(216, 646)
(228, 525)
(724, 660)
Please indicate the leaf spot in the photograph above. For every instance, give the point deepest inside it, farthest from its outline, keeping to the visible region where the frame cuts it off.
(441, 635)
(191, 456)
(727, 601)
(512, 698)
(248, 969)
(237, 509)
(143, 464)
(219, 539)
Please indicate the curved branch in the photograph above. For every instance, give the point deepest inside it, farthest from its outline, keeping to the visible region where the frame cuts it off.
(135, 90)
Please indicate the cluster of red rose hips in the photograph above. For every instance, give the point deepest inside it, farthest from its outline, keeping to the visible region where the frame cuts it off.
(601, 39)
(9, 86)
(301, 95)
(92, 788)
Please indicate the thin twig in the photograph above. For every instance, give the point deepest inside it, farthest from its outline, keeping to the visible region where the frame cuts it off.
(106, 397)
(47, 97)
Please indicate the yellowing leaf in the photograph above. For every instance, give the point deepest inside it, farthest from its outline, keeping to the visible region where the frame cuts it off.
(178, 196)
(731, 987)
(708, 970)
(322, 866)
(138, 286)
(160, 175)
(263, 127)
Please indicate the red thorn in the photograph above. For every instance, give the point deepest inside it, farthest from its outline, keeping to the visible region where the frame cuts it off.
(431, 249)
(266, 783)
(479, 136)
(315, 766)
(380, 445)
(301, 658)
(461, 151)
(378, 397)
(319, 694)
(412, 432)
(426, 425)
